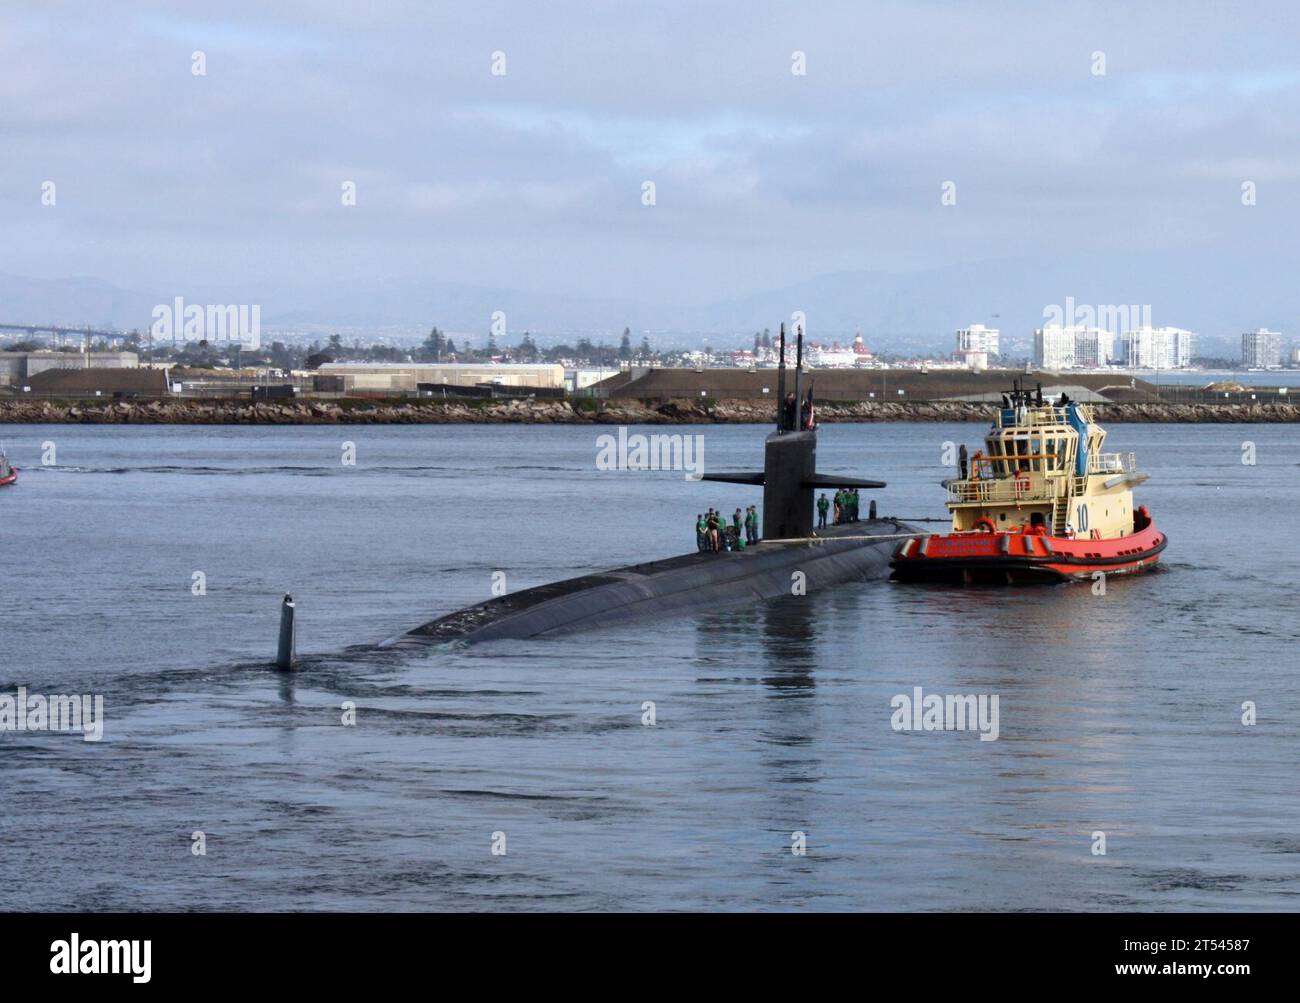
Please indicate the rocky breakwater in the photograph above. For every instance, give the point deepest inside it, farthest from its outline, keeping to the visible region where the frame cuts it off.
(553, 411)
(179, 411)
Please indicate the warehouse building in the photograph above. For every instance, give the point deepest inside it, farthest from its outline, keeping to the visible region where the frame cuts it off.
(406, 377)
(17, 368)
(87, 383)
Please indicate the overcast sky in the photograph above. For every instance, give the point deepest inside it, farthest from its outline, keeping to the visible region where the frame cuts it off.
(167, 180)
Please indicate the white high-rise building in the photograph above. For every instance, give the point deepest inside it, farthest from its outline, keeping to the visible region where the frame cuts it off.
(975, 344)
(1054, 347)
(978, 338)
(1184, 347)
(1093, 348)
(1261, 349)
(1058, 347)
(1157, 348)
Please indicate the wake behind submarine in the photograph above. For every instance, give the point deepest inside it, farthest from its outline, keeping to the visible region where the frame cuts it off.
(856, 551)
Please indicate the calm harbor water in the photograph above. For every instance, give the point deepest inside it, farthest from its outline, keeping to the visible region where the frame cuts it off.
(1119, 713)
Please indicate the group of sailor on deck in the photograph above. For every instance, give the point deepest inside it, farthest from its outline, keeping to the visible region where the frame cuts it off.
(713, 534)
(845, 505)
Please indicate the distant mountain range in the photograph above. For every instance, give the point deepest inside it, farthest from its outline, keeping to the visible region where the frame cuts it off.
(907, 312)
(72, 302)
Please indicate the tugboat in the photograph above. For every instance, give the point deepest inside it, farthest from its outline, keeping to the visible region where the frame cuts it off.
(1043, 504)
(8, 472)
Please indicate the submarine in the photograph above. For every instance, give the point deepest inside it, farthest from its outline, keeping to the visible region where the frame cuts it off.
(788, 549)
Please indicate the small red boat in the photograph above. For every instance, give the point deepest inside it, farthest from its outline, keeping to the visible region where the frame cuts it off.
(1045, 504)
(8, 472)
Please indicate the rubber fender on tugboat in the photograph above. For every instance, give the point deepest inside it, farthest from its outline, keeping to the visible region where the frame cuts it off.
(1006, 543)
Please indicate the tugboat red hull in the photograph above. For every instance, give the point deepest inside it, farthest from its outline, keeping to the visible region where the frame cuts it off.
(1018, 558)
(9, 478)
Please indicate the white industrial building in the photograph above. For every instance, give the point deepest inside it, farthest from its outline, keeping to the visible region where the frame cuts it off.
(580, 379)
(404, 377)
(16, 367)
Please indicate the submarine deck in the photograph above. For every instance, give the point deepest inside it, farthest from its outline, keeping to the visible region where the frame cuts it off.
(665, 585)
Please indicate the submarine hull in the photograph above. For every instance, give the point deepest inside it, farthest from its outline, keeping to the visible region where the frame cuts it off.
(674, 586)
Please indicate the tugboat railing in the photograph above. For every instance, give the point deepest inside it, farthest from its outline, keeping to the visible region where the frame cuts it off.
(1047, 414)
(1008, 489)
(1112, 463)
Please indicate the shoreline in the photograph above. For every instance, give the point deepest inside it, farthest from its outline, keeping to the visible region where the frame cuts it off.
(356, 411)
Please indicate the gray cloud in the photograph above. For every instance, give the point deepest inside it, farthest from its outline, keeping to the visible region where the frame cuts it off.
(171, 182)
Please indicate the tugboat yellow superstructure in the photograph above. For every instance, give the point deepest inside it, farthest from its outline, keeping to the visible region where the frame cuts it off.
(1041, 503)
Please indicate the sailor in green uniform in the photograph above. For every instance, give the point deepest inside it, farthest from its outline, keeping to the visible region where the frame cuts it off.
(701, 532)
(823, 505)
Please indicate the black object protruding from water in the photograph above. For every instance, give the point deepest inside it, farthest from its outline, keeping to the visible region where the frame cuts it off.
(287, 654)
